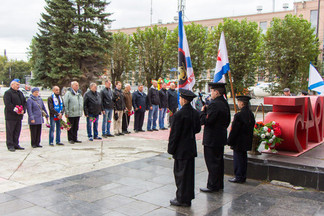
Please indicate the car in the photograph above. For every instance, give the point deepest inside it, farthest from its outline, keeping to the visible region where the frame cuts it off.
(264, 89)
(26, 93)
(3, 90)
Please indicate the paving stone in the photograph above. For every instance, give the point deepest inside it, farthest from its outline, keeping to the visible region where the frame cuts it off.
(114, 201)
(304, 206)
(92, 194)
(128, 190)
(158, 197)
(32, 211)
(73, 188)
(164, 212)
(14, 206)
(136, 208)
(134, 182)
(6, 197)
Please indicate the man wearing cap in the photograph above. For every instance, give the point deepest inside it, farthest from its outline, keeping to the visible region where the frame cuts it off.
(216, 118)
(13, 98)
(240, 138)
(182, 146)
(287, 92)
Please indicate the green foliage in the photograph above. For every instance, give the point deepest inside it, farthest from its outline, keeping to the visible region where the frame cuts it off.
(289, 45)
(150, 51)
(243, 41)
(13, 69)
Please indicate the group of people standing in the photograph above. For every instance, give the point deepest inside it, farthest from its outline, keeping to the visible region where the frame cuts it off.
(216, 118)
(115, 105)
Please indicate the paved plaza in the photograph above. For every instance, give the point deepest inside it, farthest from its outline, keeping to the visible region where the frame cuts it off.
(126, 175)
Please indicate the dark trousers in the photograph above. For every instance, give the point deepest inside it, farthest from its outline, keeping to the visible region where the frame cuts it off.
(125, 122)
(215, 166)
(171, 116)
(240, 165)
(139, 119)
(35, 134)
(13, 129)
(73, 132)
(184, 174)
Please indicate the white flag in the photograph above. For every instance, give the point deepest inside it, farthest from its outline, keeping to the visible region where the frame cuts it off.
(315, 81)
(222, 64)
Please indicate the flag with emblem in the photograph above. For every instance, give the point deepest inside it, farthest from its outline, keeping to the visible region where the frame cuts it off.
(186, 73)
(222, 64)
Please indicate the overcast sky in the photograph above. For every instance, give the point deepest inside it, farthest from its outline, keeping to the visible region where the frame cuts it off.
(19, 18)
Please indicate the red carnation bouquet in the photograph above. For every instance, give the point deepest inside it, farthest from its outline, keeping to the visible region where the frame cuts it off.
(65, 125)
(19, 109)
(269, 135)
(130, 113)
(92, 119)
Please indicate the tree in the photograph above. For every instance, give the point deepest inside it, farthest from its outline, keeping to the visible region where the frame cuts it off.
(13, 69)
(289, 46)
(120, 57)
(243, 42)
(197, 42)
(150, 50)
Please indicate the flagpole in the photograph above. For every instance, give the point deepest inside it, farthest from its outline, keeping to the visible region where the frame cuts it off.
(232, 89)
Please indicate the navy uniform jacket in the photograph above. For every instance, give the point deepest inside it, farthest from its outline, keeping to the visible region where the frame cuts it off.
(241, 135)
(139, 100)
(182, 140)
(216, 119)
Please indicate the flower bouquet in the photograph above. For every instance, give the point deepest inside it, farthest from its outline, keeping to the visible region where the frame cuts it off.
(65, 125)
(269, 135)
(131, 112)
(47, 123)
(19, 109)
(92, 119)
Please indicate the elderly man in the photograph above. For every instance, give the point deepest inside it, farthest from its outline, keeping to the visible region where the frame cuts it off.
(153, 99)
(139, 104)
(92, 110)
(128, 105)
(13, 98)
(56, 109)
(172, 102)
(119, 107)
(286, 92)
(107, 109)
(73, 102)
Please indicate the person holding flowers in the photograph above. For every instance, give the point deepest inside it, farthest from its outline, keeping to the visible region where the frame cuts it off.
(36, 111)
(139, 104)
(15, 107)
(56, 109)
(240, 138)
(107, 109)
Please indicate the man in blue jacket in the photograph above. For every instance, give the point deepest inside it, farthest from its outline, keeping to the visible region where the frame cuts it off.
(139, 104)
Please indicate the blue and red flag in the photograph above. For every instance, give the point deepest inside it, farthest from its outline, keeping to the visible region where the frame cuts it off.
(186, 73)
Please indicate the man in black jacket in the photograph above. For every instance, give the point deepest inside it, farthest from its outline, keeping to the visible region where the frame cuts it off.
(153, 99)
(92, 110)
(107, 108)
(216, 118)
(240, 138)
(172, 102)
(182, 146)
(12, 98)
(163, 106)
(56, 109)
(139, 104)
(119, 108)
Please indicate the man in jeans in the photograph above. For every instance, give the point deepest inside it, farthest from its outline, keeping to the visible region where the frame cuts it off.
(163, 106)
(92, 110)
(153, 100)
(108, 108)
(56, 108)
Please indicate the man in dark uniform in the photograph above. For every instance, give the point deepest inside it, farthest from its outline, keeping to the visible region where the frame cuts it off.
(240, 138)
(216, 118)
(182, 145)
(139, 104)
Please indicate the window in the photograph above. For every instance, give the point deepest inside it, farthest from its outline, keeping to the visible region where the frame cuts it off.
(263, 27)
(313, 19)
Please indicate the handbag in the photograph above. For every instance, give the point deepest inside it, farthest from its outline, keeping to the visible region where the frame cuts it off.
(43, 112)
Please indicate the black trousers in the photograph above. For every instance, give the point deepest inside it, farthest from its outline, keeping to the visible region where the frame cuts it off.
(171, 117)
(240, 165)
(139, 119)
(215, 165)
(35, 134)
(184, 174)
(125, 121)
(13, 129)
(73, 132)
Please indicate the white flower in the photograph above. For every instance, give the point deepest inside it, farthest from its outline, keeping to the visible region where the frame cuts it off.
(274, 136)
(272, 132)
(273, 122)
(263, 142)
(267, 134)
(262, 136)
(270, 140)
(265, 128)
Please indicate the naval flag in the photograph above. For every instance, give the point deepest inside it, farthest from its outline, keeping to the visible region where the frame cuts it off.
(315, 81)
(222, 64)
(186, 73)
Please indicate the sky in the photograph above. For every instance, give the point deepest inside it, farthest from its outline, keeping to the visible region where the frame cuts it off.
(19, 18)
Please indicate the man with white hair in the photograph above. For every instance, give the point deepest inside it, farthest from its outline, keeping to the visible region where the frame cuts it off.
(15, 107)
(73, 102)
(128, 110)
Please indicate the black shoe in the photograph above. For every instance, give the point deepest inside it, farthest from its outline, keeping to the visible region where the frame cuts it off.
(155, 129)
(235, 180)
(117, 134)
(141, 130)
(164, 128)
(104, 136)
(34, 146)
(51, 144)
(110, 135)
(136, 131)
(150, 130)
(125, 132)
(19, 148)
(71, 142)
(78, 141)
(39, 146)
(207, 190)
(98, 138)
(175, 202)
(12, 149)
(121, 134)
(59, 144)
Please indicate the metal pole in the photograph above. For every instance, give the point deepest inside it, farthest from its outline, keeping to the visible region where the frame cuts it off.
(233, 95)
(318, 16)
